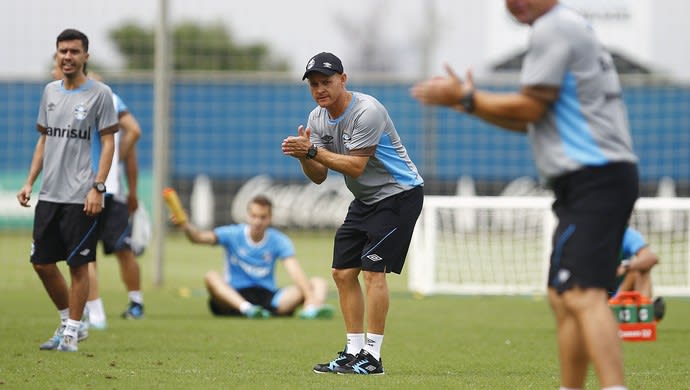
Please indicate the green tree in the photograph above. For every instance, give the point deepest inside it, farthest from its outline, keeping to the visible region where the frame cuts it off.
(195, 47)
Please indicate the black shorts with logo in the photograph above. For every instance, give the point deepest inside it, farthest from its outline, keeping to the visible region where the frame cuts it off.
(254, 295)
(63, 231)
(115, 229)
(593, 206)
(376, 237)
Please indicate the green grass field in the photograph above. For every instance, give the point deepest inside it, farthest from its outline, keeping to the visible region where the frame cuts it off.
(439, 342)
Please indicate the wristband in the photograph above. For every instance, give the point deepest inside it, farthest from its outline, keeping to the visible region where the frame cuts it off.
(467, 102)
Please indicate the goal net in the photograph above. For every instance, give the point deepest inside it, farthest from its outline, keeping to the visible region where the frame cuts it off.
(501, 244)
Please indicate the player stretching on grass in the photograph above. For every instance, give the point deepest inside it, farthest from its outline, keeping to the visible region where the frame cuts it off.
(248, 287)
(351, 133)
(75, 148)
(571, 106)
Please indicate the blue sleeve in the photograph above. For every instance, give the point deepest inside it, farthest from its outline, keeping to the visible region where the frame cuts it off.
(120, 105)
(224, 235)
(284, 246)
(632, 242)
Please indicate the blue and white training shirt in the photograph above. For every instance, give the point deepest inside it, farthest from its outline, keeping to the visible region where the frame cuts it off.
(250, 264)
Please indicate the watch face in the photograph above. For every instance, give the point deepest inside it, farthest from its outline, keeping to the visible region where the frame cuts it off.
(100, 187)
(311, 152)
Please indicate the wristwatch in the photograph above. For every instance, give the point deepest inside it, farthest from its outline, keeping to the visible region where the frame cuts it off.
(99, 186)
(311, 152)
(467, 102)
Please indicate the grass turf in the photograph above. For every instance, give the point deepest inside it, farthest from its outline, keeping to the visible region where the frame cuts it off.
(440, 342)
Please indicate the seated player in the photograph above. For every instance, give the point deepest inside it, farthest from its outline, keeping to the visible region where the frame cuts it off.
(634, 270)
(252, 250)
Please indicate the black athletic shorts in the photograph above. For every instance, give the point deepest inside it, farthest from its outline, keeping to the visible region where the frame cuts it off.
(593, 206)
(63, 231)
(254, 295)
(376, 237)
(115, 229)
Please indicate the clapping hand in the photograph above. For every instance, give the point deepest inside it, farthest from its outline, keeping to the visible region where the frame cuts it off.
(443, 90)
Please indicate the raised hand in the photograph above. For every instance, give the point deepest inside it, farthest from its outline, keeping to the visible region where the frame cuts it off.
(442, 90)
(297, 146)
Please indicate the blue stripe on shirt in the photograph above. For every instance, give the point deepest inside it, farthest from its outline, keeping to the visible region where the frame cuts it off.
(575, 132)
(396, 166)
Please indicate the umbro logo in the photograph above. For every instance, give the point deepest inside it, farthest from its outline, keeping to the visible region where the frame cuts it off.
(563, 275)
(51, 106)
(374, 257)
(370, 368)
(85, 252)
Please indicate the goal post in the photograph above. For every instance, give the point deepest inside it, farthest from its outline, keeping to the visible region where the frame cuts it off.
(500, 245)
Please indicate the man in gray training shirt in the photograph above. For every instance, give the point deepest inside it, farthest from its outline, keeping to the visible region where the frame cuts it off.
(570, 105)
(76, 122)
(351, 133)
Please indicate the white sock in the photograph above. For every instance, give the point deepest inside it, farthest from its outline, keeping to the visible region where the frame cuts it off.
(96, 310)
(72, 327)
(64, 315)
(570, 388)
(373, 346)
(136, 296)
(355, 343)
(617, 387)
(244, 306)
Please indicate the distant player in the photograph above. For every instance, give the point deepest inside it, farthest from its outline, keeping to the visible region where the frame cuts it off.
(248, 287)
(634, 269)
(76, 122)
(115, 228)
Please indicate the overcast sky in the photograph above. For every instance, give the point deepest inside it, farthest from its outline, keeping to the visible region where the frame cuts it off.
(294, 29)
(466, 33)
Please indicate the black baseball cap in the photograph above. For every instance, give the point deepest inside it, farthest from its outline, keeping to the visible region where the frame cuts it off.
(324, 63)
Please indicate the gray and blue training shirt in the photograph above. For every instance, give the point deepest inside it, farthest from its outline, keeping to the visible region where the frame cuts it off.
(587, 125)
(72, 120)
(365, 124)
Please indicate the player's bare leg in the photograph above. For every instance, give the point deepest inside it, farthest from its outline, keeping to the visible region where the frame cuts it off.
(599, 331)
(351, 298)
(130, 272)
(79, 291)
(573, 356)
(292, 296)
(220, 292)
(377, 301)
(320, 288)
(54, 284)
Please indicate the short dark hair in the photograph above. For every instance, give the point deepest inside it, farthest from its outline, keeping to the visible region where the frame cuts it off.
(262, 200)
(71, 34)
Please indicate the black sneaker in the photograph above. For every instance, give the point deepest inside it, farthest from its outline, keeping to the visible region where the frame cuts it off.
(659, 308)
(135, 311)
(342, 359)
(364, 364)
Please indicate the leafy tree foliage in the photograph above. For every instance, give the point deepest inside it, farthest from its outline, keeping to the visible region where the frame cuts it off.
(207, 47)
